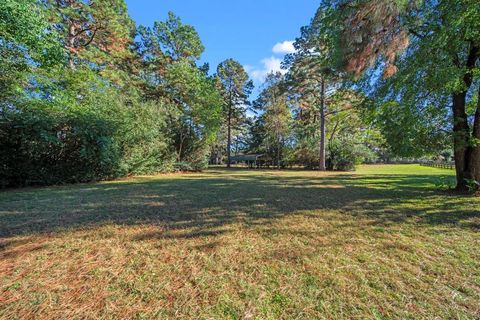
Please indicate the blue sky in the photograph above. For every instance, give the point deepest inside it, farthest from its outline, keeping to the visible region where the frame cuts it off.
(245, 30)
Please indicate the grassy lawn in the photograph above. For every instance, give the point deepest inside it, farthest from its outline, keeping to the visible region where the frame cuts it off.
(379, 243)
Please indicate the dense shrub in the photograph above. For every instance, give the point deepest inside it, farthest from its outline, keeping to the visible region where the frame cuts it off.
(40, 145)
(79, 135)
(345, 155)
(44, 146)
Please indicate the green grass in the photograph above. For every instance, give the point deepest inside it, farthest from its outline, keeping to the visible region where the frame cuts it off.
(380, 243)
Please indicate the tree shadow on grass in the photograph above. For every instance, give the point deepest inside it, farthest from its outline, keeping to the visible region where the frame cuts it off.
(204, 205)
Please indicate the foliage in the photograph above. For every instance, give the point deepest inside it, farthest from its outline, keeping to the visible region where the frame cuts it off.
(235, 87)
(69, 139)
(110, 109)
(173, 39)
(275, 119)
(409, 133)
(96, 33)
(422, 55)
(345, 155)
(26, 42)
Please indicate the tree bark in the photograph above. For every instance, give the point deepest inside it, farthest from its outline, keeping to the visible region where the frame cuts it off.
(322, 127)
(229, 138)
(278, 154)
(474, 154)
(466, 147)
(460, 138)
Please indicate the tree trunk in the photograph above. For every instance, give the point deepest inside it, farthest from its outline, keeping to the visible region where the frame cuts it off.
(473, 172)
(229, 138)
(466, 146)
(278, 155)
(460, 138)
(322, 127)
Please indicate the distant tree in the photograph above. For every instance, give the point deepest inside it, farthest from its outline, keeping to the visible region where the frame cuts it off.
(235, 87)
(169, 52)
(276, 115)
(199, 104)
(166, 43)
(172, 40)
(313, 73)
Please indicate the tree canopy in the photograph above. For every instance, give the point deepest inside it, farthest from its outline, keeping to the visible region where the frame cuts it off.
(87, 94)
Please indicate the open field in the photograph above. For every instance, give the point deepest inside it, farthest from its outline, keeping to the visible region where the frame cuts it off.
(379, 243)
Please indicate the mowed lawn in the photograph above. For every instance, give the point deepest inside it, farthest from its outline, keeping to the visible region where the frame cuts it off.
(379, 243)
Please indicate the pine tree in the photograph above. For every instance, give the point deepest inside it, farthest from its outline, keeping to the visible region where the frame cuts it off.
(235, 86)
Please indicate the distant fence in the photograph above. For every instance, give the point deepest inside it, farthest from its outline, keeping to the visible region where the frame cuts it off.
(440, 165)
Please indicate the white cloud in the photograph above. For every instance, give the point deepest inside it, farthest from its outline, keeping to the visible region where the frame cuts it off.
(284, 47)
(272, 64)
(269, 65)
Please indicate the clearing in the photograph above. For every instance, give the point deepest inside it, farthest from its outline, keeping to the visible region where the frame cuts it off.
(240, 244)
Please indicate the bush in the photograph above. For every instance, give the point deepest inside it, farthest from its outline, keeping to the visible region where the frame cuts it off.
(346, 155)
(76, 127)
(44, 146)
(145, 146)
(81, 136)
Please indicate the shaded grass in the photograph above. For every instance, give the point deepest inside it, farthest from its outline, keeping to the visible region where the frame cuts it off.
(238, 244)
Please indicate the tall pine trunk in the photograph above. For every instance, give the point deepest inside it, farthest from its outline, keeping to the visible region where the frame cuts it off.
(322, 157)
(229, 138)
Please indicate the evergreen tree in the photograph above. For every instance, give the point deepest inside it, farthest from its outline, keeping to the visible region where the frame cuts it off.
(235, 87)
(276, 116)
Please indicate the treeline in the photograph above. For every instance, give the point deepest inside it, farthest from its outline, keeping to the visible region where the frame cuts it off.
(384, 78)
(417, 63)
(86, 95)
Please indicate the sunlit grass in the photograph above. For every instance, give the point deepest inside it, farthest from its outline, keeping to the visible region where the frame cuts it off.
(378, 243)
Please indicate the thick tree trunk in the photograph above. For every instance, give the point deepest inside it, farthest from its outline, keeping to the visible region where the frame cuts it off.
(461, 133)
(322, 127)
(474, 152)
(466, 144)
(466, 147)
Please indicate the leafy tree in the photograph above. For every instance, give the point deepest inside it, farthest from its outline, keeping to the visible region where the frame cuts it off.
(26, 42)
(428, 53)
(169, 52)
(199, 104)
(235, 87)
(313, 73)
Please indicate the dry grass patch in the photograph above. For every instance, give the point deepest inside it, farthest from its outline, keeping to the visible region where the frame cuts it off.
(380, 243)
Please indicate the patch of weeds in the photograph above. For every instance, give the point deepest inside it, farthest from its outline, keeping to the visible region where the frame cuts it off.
(472, 185)
(14, 286)
(444, 183)
(225, 307)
